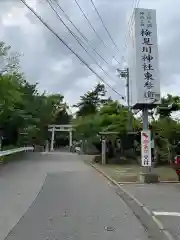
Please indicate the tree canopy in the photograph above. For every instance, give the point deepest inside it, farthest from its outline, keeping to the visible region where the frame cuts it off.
(169, 104)
(24, 112)
(91, 101)
(97, 113)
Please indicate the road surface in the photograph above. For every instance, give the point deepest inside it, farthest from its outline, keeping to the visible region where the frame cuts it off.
(59, 197)
(163, 200)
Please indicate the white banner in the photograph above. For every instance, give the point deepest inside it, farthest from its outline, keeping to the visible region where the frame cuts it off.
(143, 58)
(146, 148)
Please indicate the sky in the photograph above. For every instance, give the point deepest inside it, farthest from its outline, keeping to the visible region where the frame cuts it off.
(44, 59)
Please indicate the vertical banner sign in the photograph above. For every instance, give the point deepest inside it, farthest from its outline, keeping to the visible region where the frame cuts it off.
(145, 70)
(146, 148)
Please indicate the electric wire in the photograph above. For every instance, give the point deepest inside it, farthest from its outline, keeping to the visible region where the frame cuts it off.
(135, 4)
(94, 30)
(68, 47)
(79, 31)
(104, 25)
(77, 39)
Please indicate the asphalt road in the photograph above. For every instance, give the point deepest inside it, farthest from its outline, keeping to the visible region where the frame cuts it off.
(58, 197)
(162, 199)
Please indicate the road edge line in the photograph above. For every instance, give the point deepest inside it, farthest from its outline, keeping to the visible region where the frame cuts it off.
(17, 222)
(149, 213)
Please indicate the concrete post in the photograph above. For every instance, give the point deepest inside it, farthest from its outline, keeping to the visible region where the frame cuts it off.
(52, 139)
(47, 146)
(147, 176)
(103, 151)
(70, 138)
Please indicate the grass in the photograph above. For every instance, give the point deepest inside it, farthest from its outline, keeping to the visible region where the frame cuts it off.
(8, 147)
(130, 173)
(5, 159)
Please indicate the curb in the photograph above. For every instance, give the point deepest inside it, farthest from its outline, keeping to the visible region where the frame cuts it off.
(169, 182)
(154, 226)
(161, 182)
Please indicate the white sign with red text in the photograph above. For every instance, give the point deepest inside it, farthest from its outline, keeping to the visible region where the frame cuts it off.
(146, 148)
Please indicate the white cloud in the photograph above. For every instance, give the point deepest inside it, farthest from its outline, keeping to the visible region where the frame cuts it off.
(15, 16)
(84, 84)
(47, 61)
(63, 67)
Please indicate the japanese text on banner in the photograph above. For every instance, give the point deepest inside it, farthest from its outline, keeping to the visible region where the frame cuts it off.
(147, 54)
(146, 148)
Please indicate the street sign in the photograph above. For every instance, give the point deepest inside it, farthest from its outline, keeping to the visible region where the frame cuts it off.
(146, 148)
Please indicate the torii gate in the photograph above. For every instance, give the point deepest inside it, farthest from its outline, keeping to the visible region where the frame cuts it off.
(60, 128)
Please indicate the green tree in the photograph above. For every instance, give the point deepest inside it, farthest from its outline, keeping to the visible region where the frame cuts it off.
(91, 101)
(9, 60)
(46, 110)
(169, 105)
(111, 117)
(24, 112)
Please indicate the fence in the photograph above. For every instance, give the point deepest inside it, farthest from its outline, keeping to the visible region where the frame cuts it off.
(13, 151)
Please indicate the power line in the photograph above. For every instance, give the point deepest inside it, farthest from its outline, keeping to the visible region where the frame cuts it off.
(129, 23)
(135, 4)
(104, 25)
(76, 38)
(82, 35)
(65, 44)
(93, 28)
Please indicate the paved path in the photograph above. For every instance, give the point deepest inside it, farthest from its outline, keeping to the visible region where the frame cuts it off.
(74, 202)
(162, 199)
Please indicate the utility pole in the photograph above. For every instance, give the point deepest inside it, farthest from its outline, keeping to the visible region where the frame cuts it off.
(125, 74)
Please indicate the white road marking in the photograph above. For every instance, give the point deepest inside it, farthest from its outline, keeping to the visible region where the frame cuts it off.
(173, 214)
